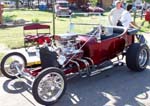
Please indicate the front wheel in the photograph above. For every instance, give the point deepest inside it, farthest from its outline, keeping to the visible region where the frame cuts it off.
(137, 57)
(49, 86)
(9, 63)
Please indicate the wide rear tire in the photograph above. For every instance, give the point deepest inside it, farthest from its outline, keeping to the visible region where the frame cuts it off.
(137, 57)
(49, 86)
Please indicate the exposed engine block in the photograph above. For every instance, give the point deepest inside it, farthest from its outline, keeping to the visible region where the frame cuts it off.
(68, 47)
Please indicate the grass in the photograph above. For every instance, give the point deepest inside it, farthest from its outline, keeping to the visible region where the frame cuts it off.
(1, 55)
(29, 14)
(145, 27)
(13, 37)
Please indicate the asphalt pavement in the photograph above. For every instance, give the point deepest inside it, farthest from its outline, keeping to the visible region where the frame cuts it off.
(115, 87)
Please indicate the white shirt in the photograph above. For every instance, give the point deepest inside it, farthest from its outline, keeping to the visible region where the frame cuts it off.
(126, 19)
(115, 15)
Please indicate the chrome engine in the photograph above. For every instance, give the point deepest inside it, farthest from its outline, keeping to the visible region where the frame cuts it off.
(69, 55)
(68, 47)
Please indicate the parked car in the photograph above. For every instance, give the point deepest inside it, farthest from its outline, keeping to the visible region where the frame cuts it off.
(71, 54)
(62, 8)
(9, 4)
(87, 8)
(35, 4)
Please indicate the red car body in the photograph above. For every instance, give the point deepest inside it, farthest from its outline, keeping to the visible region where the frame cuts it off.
(104, 49)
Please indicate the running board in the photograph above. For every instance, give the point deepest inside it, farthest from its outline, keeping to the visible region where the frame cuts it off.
(99, 70)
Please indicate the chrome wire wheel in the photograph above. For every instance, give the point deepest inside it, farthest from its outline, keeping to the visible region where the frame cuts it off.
(50, 87)
(143, 57)
(10, 62)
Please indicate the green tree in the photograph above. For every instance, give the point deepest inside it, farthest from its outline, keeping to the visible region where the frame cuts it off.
(129, 1)
(17, 4)
(93, 2)
(148, 1)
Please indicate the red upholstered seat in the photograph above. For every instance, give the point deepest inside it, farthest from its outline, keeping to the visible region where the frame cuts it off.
(36, 37)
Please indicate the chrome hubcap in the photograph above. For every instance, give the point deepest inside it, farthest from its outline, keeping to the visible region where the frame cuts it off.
(11, 63)
(143, 56)
(51, 87)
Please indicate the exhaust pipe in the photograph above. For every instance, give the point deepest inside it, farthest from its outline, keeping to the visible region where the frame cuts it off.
(86, 70)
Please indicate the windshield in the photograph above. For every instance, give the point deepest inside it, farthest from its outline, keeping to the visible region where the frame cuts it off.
(85, 22)
(63, 5)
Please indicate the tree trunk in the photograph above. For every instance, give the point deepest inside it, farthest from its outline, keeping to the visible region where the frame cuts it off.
(17, 4)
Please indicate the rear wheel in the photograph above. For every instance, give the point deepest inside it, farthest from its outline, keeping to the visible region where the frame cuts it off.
(49, 86)
(137, 57)
(9, 62)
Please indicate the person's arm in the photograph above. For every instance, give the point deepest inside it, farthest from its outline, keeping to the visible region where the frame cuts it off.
(109, 17)
(134, 25)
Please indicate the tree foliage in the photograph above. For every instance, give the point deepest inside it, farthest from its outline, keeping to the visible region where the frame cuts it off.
(148, 1)
(93, 2)
(130, 1)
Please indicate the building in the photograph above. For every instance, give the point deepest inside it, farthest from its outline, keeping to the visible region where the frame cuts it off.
(104, 3)
(78, 2)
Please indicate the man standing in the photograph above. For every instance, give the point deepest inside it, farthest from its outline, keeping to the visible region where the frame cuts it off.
(126, 18)
(115, 13)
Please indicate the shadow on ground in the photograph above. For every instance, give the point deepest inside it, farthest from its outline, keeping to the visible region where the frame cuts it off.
(115, 87)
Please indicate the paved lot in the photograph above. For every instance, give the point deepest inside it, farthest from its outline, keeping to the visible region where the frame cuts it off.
(115, 87)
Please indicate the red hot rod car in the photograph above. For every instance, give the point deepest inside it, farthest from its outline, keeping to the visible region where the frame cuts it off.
(77, 54)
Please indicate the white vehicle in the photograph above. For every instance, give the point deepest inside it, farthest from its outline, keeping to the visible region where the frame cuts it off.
(62, 8)
(138, 4)
(9, 4)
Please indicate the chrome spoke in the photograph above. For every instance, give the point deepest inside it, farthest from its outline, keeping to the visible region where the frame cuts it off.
(143, 56)
(51, 86)
(11, 62)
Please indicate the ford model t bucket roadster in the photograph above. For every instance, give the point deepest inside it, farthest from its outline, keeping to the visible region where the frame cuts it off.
(72, 54)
